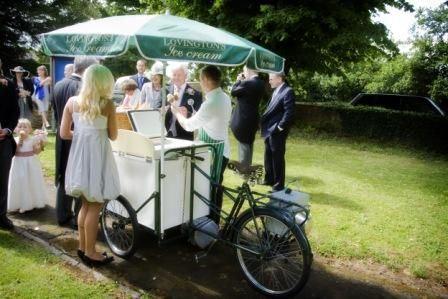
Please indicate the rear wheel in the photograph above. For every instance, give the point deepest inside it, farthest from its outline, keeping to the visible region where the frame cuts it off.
(278, 258)
(119, 225)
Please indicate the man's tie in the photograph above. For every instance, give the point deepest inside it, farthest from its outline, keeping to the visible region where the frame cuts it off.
(140, 82)
(271, 102)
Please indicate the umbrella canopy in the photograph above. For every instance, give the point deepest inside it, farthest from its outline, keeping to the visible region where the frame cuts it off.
(159, 37)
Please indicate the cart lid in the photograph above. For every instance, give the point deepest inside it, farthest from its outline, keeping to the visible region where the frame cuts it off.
(146, 122)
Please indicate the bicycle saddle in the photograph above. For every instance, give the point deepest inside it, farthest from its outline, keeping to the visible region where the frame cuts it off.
(252, 173)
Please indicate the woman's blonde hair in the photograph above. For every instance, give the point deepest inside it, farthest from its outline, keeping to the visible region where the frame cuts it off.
(44, 68)
(96, 91)
(26, 122)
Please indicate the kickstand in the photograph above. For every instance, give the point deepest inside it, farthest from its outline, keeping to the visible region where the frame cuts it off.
(204, 253)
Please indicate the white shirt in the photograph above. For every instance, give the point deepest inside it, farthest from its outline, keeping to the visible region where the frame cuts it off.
(214, 117)
(277, 90)
(180, 91)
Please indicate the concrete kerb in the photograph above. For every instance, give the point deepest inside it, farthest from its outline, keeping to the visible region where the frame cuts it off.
(73, 262)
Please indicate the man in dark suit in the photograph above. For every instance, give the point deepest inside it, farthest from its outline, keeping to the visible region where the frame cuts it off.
(275, 124)
(9, 115)
(62, 91)
(190, 101)
(249, 89)
(140, 77)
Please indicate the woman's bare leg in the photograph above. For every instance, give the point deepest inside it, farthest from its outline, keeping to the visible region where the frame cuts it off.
(81, 227)
(91, 230)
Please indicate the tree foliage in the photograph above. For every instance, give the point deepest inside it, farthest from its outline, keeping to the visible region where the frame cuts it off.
(21, 21)
(318, 35)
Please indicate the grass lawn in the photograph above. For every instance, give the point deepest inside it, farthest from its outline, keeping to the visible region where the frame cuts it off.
(28, 271)
(370, 202)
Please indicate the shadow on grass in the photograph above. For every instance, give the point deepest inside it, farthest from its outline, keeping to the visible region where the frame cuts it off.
(333, 200)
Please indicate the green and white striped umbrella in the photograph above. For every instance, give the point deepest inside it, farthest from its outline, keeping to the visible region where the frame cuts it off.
(159, 37)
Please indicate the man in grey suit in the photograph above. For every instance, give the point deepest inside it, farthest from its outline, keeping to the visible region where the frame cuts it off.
(62, 91)
(275, 124)
(249, 89)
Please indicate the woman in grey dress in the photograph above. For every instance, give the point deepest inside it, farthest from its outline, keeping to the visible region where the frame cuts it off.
(151, 95)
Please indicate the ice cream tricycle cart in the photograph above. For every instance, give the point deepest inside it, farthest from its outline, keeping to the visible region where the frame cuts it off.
(167, 184)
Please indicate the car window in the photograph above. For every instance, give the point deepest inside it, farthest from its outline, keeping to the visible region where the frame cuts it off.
(417, 104)
(382, 101)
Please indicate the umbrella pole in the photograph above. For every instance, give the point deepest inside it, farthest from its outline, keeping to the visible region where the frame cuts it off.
(162, 127)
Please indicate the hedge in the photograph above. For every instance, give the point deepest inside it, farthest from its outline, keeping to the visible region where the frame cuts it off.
(414, 129)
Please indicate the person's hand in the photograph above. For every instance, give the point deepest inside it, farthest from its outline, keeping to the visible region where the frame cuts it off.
(183, 110)
(4, 82)
(21, 137)
(3, 134)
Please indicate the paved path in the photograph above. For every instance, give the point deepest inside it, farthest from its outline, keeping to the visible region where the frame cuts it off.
(171, 272)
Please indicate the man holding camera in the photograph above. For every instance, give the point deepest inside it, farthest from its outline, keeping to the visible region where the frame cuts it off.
(248, 90)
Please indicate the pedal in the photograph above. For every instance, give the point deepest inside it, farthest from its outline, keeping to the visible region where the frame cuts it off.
(204, 253)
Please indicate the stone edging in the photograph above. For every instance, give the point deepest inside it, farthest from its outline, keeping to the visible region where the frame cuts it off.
(73, 262)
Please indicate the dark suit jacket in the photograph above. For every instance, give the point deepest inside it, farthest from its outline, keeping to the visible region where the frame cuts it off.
(62, 91)
(245, 116)
(279, 113)
(29, 86)
(189, 93)
(9, 108)
(135, 78)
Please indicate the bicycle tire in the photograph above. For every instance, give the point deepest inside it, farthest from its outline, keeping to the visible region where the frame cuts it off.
(120, 227)
(274, 240)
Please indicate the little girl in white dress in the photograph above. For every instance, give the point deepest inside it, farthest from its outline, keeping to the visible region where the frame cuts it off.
(26, 181)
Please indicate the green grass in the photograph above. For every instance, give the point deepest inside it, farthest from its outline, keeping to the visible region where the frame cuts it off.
(28, 271)
(372, 202)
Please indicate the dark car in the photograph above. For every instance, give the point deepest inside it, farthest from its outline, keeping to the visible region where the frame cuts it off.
(398, 102)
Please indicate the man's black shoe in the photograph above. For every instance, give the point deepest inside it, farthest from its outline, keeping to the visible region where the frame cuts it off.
(5, 223)
(70, 223)
(74, 223)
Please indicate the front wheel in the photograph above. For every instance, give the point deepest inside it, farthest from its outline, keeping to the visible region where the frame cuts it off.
(272, 251)
(119, 225)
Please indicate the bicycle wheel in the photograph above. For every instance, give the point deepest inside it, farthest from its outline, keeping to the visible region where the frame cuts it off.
(278, 260)
(119, 227)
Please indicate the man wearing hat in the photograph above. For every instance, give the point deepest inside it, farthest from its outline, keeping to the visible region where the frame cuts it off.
(9, 115)
(275, 124)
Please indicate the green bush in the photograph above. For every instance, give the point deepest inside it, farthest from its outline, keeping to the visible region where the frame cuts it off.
(413, 129)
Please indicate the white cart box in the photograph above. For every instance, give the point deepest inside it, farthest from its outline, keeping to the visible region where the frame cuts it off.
(137, 155)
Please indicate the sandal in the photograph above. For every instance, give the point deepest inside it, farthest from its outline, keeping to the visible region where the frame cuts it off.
(97, 263)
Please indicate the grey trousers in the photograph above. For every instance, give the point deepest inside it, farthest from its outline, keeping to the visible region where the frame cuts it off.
(245, 151)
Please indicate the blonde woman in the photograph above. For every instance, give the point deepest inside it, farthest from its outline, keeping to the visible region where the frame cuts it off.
(91, 171)
(42, 92)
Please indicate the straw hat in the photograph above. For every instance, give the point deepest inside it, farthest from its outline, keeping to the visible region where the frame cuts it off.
(18, 69)
(157, 68)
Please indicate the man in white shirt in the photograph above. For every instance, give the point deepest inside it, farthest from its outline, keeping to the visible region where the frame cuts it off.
(212, 120)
